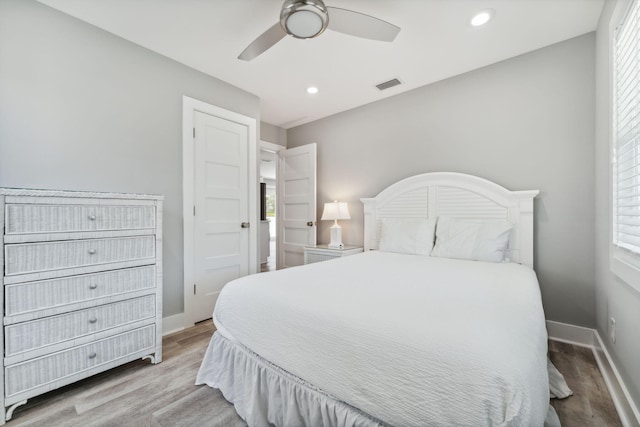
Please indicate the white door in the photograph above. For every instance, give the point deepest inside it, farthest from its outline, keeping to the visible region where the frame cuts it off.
(221, 213)
(296, 204)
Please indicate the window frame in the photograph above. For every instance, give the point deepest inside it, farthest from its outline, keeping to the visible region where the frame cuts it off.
(624, 263)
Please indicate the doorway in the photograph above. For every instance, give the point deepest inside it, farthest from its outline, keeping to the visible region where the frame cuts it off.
(268, 237)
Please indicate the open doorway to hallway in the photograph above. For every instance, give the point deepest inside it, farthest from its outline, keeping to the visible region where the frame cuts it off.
(268, 204)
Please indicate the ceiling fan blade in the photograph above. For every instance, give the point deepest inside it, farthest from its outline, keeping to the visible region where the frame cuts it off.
(267, 39)
(361, 25)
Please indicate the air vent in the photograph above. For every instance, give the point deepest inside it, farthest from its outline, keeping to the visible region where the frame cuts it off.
(388, 84)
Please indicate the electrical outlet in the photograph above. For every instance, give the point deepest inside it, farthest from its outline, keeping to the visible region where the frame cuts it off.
(612, 329)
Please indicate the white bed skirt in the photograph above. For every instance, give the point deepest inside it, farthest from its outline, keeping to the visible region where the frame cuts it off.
(265, 395)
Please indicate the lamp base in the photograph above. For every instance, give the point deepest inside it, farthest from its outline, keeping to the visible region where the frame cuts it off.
(336, 237)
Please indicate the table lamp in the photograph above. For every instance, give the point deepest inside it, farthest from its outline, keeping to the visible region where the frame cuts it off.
(335, 211)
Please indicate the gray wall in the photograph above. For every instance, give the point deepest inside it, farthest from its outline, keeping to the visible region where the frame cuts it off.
(272, 133)
(613, 297)
(525, 123)
(82, 109)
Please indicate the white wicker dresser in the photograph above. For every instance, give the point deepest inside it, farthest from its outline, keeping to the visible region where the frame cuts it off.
(82, 280)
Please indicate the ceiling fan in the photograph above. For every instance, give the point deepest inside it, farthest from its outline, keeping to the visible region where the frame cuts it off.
(305, 19)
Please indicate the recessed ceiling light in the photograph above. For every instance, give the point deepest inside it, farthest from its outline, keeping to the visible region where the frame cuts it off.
(482, 17)
(312, 90)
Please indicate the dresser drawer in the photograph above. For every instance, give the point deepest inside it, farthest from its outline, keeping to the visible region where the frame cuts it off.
(43, 371)
(24, 258)
(28, 297)
(44, 332)
(43, 218)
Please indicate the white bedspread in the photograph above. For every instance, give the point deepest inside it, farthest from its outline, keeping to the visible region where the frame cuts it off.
(411, 340)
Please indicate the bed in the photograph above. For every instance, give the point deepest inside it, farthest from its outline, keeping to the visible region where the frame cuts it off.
(400, 334)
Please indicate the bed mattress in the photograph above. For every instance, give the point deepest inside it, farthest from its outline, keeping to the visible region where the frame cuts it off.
(410, 340)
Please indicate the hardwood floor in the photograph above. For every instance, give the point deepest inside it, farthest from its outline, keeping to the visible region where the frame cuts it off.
(591, 404)
(140, 394)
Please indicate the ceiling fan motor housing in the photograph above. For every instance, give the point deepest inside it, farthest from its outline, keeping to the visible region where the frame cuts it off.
(304, 19)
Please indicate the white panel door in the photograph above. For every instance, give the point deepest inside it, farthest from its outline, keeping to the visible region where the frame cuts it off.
(221, 217)
(296, 204)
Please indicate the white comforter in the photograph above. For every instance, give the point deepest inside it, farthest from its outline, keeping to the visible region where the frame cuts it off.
(411, 340)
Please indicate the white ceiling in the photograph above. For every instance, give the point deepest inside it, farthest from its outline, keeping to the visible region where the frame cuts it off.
(436, 42)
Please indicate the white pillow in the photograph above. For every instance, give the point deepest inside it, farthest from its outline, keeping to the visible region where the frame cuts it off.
(407, 236)
(472, 240)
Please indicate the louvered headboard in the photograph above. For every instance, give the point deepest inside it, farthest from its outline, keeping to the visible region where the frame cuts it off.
(457, 195)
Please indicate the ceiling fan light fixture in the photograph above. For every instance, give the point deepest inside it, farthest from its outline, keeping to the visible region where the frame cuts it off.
(304, 24)
(304, 19)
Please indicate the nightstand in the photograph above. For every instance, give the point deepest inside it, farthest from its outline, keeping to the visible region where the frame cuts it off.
(323, 253)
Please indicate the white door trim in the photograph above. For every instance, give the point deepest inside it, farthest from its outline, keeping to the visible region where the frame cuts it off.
(270, 146)
(189, 106)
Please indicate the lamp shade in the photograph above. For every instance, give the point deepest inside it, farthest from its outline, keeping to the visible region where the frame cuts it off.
(336, 210)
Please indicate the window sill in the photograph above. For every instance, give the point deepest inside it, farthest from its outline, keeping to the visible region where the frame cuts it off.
(626, 266)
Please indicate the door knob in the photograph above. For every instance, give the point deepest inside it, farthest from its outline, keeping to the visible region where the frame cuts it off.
(310, 223)
(245, 225)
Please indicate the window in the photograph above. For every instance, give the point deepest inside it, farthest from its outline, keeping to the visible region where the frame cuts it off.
(626, 139)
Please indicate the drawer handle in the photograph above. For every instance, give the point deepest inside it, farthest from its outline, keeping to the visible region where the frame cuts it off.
(92, 217)
(93, 320)
(92, 355)
(93, 286)
(92, 251)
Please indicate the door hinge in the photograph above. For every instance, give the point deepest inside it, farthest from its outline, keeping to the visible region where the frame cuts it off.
(194, 133)
(194, 288)
(194, 210)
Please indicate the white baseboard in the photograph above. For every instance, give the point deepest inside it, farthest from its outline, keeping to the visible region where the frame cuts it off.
(172, 324)
(586, 337)
(628, 411)
(570, 333)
